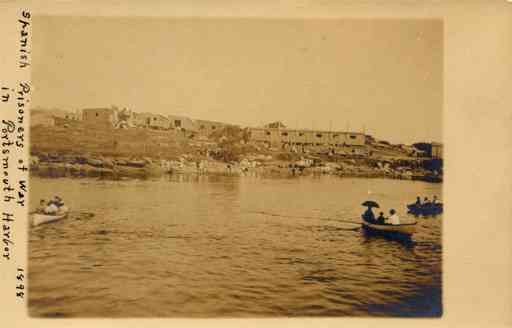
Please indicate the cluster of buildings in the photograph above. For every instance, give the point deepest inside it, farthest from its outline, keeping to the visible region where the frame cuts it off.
(125, 118)
(274, 135)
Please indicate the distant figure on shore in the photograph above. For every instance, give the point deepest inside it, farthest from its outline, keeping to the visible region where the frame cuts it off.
(381, 219)
(393, 218)
(368, 215)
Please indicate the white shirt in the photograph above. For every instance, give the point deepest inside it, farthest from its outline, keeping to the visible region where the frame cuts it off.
(394, 219)
(51, 209)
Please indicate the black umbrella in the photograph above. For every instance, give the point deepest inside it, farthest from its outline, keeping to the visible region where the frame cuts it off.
(370, 203)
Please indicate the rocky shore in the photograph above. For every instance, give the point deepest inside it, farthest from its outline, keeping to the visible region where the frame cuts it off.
(79, 150)
(255, 165)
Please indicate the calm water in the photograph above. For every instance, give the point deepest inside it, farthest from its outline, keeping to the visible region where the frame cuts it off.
(227, 246)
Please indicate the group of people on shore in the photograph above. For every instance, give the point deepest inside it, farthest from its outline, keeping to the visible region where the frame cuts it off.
(369, 217)
(51, 207)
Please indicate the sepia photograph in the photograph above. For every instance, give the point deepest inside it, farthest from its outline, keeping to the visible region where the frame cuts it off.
(236, 167)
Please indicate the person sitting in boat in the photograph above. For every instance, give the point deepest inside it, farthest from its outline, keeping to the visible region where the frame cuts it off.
(368, 215)
(434, 201)
(418, 201)
(51, 209)
(393, 218)
(426, 201)
(41, 207)
(59, 202)
(381, 219)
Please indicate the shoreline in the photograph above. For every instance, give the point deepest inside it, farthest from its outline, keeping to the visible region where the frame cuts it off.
(76, 149)
(270, 170)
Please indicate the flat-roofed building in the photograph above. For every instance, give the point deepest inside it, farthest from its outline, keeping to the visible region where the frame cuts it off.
(159, 122)
(206, 128)
(179, 122)
(100, 116)
(296, 137)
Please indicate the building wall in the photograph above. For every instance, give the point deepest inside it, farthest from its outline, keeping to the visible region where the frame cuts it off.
(278, 137)
(182, 122)
(74, 116)
(100, 116)
(159, 122)
(141, 119)
(42, 120)
(207, 127)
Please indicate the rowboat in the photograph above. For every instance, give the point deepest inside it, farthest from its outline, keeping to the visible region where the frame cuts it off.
(38, 218)
(401, 231)
(425, 210)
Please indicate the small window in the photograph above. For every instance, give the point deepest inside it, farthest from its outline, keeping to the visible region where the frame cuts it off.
(284, 134)
(97, 114)
(202, 127)
(177, 123)
(352, 137)
(319, 135)
(335, 136)
(213, 127)
(267, 133)
(301, 134)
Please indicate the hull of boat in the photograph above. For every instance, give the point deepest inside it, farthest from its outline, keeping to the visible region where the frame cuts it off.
(38, 219)
(401, 231)
(425, 210)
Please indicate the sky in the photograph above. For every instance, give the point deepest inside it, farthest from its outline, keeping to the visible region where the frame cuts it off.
(382, 77)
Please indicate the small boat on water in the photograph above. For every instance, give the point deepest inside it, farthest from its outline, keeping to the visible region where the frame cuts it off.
(400, 231)
(40, 218)
(425, 210)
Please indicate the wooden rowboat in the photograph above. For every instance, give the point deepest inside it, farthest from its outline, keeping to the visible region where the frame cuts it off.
(38, 218)
(401, 231)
